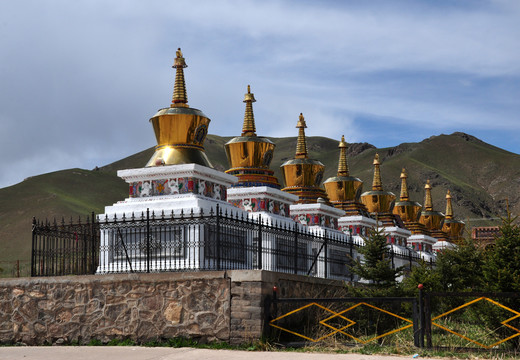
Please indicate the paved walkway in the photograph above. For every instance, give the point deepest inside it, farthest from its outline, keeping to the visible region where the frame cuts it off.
(142, 353)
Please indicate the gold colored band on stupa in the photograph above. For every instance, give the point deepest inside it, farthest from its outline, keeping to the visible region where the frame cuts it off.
(179, 99)
(377, 184)
(449, 208)
(428, 203)
(248, 129)
(342, 164)
(404, 186)
(301, 145)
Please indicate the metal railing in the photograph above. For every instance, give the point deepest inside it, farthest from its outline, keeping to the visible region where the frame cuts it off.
(215, 240)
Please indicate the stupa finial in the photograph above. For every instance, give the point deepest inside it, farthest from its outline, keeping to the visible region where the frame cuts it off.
(180, 99)
(301, 146)
(449, 208)
(248, 129)
(377, 184)
(404, 186)
(428, 203)
(342, 164)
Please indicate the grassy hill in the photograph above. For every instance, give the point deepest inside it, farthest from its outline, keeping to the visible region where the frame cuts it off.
(480, 177)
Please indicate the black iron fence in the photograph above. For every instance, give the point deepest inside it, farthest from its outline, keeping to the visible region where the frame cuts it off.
(65, 248)
(447, 320)
(215, 240)
(345, 320)
(472, 320)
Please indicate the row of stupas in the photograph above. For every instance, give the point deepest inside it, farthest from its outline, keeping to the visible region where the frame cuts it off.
(180, 178)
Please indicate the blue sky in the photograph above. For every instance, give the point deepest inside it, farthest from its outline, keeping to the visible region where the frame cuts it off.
(80, 79)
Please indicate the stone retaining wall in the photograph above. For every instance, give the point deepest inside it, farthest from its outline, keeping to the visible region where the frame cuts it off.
(207, 306)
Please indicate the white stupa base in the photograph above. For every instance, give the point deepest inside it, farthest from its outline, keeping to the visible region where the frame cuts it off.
(422, 244)
(173, 191)
(169, 205)
(397, 236)
(443, 245)
(316, 215)
(182, 188)
(262, 201)
(357, 225)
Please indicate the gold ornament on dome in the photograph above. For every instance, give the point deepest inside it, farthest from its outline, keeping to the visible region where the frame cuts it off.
(409, 211)
(378, 201)
(343, 190)
(452, 227)
(433, 220)
(302, 176)
(249, 156)
(180, 130)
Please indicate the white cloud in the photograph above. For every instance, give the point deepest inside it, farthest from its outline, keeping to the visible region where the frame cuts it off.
(82, 78)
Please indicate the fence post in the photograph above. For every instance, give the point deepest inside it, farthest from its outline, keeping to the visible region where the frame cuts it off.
(33, 251)
(148, 240)
(392, 255)
(217, 244)
(421, 316)
(416, 326)
(260, 246)
(326, 252)
(428, 321)
(351, 240)
(295, 248)
(93, 237)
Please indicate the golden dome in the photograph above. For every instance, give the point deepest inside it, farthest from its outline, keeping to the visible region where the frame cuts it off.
(249, 156)
(378, 201)
(302, 176)
(180, 130)
(409, 211)
(452, 227)
(343, 188)
(433, 220)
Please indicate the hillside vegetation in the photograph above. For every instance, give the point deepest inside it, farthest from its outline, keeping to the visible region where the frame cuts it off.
(480, 176)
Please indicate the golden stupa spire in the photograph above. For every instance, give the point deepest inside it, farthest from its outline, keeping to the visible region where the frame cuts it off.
(404, 186)
(377, 184)
(342, 165)
(428, 203)
(180, 99)
(248, 129)
(449, 208)
(301, 146)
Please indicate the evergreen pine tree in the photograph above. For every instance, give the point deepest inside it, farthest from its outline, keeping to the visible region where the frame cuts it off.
(460, 268)
(376, 266)
(502, 266)
(423, 274)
